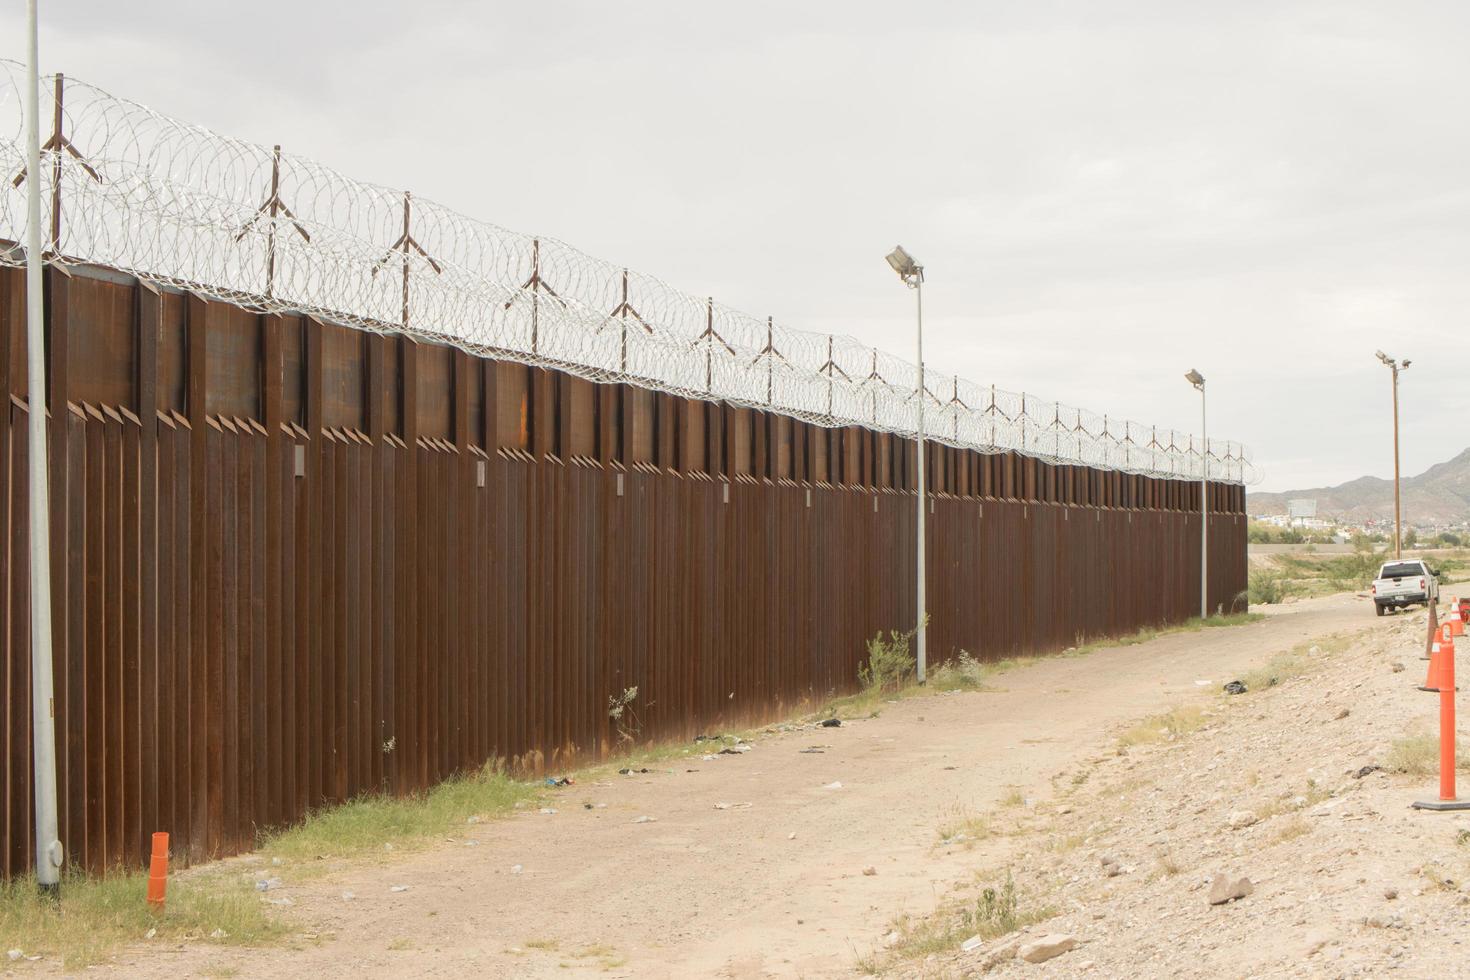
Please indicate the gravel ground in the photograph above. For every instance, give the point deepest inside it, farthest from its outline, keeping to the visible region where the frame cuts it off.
(1347, 879)
(780, 887)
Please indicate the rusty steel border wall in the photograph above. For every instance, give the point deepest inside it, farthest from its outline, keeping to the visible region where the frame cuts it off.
(295, 562)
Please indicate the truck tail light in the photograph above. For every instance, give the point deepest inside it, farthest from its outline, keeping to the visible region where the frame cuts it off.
(1373, 589)
(1421, 585)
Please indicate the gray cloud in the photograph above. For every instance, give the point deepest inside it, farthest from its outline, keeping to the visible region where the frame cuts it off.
(1105, 194)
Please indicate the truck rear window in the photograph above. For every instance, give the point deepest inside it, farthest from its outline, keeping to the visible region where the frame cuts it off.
(1402, 569)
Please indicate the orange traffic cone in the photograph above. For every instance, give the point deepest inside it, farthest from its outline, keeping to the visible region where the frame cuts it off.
(158, 872)
(1456, 619)
(1431, 676)
(1445, 659)
(1441, 653)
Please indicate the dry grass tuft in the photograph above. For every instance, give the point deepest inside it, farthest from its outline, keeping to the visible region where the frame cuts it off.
(1437, 878)
(965, 828)
(1167, 727)
(1064, 843)
(963, 673)
(1291, 829)
(96, 916)
(1418, 755)
(1295, 662)
(999, 910)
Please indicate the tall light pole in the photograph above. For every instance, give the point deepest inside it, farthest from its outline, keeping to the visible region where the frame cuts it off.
(43, 722)
(912, 273)
(1398, 530)
(1198, 381)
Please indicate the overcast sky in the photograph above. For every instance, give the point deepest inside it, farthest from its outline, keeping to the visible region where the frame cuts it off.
(1104, 194)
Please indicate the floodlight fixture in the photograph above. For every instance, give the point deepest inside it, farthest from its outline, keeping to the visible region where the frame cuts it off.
(909, 270)
(1195, 378)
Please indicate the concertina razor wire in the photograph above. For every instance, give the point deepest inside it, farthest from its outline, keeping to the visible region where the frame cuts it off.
(179, 205)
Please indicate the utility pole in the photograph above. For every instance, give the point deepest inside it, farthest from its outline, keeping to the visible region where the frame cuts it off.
(1398, 523)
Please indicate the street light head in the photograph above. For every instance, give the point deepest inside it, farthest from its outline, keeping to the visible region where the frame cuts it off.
(1195, 378)
(1381, 356)
(903, 263)
(1406, 363)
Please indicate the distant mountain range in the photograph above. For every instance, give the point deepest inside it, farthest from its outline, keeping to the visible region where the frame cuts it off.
(1439, 495)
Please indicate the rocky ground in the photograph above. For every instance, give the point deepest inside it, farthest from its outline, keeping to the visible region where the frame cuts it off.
(1279, 787)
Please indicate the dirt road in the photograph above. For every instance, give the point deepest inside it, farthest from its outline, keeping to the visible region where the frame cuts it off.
(775, 888)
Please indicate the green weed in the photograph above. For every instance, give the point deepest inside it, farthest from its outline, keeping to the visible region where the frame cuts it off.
(365, 825)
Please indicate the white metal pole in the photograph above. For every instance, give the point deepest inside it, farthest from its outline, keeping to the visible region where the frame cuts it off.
(48, 846)
(1398, 526)
(1204, 512)
(920, 642)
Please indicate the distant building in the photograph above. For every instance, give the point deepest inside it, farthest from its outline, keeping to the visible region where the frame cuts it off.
(1302, 512)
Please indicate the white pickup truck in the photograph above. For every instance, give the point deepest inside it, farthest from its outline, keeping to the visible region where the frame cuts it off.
(1403, 583)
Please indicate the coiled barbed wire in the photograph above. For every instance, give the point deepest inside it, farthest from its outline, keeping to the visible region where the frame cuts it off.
(177, 204)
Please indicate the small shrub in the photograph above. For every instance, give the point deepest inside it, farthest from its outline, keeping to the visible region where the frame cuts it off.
(624, 718)
(994, 912)
(1267, 588)
(1348, 573)
(890, 664)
